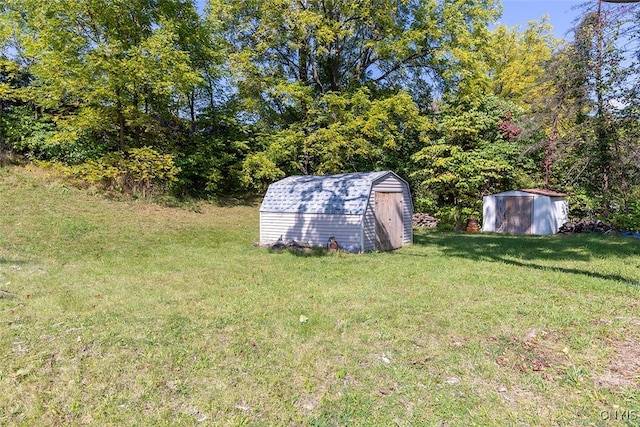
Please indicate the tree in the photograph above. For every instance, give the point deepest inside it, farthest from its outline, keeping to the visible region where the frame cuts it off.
(584, 121)
(516, 61)
(467, 158)
(326, 81)
(474, 149)
(605, 77)
(330, 45)
(554, 116)
(110, 73)
(342, 132)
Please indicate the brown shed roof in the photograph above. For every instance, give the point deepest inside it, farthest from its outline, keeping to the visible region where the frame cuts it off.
(543, 192)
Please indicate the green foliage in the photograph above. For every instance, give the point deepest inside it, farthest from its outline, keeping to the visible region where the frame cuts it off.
(468, 159)
(251, 91)
(516, 61)
(627, 217)
(211, 160)
(582, 205)
(604, 74)
(20, 130)
(455, 180)
(138, 171)
(626, 210)
(342, 132)
(12, 78)
(209, 166)
(332, 46)
(327, 83)
(259, 170)
(38, 139)
(107, 70)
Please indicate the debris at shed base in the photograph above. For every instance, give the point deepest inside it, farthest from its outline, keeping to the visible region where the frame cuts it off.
(292, 245)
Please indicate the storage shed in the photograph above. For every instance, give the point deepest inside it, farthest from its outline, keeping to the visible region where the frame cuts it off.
(531, 211)
(364, 211)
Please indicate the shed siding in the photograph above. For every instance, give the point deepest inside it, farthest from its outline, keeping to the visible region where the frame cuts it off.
(549, 213)
(488, 213)
(389, 184)
(369, 225)
(562, 212)
(310, 209)
(542, 216)
(311, 228)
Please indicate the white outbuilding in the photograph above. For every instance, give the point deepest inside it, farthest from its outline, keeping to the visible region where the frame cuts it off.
(531, 211)
(363, 211)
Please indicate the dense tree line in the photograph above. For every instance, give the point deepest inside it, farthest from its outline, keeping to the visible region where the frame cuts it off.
(149, 95)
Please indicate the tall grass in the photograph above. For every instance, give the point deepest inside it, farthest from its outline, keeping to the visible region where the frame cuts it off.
(128, 313)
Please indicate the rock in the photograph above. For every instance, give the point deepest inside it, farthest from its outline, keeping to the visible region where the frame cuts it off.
(586, 226)
(424, 220)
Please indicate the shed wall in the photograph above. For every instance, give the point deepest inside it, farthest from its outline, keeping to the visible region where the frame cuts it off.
(549, 213)
(488, 213)
(561, 206)
(311, 228)
(543, 216)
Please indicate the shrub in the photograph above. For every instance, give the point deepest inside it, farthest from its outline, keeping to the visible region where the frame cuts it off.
(582, 206)
(137, 171)
(628, 218)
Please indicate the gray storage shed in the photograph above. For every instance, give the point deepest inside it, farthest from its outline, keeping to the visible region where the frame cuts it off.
(531, 211)
(364, 211)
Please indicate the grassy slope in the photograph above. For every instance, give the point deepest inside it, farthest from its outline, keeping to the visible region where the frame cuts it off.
(128, 313)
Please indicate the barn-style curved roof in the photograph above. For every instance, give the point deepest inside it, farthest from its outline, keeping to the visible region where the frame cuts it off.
(346, 194)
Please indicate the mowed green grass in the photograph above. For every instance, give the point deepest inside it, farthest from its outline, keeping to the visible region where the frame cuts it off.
(128, 313)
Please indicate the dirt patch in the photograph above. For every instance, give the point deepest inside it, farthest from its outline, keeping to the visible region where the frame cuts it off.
(624, 369)
(538, 351)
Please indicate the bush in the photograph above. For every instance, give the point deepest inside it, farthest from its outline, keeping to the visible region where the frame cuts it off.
(628, 218)
(138, 171)
(210, 166)
(456, 216)
(582, 206)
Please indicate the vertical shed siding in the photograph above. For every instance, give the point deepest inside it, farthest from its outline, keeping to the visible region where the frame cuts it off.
(542, 215)
(562, 212)
(488, 213)
(549, 213)
(311, 228)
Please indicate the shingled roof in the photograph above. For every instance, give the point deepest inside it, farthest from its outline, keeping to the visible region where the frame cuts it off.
(346, 194)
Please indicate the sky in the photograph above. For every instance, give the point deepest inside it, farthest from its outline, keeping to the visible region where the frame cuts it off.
(562, 14)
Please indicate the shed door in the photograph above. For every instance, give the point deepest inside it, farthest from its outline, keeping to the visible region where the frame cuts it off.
(514, 214)
(389, 225)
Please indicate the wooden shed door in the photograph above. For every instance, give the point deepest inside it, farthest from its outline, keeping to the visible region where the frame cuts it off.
(514, 214)
(389, 227)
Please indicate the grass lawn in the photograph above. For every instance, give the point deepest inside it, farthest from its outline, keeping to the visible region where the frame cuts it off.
(128, 313)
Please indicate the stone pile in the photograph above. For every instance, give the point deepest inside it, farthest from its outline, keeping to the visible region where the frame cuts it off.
(587, 226)
(424, 220)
